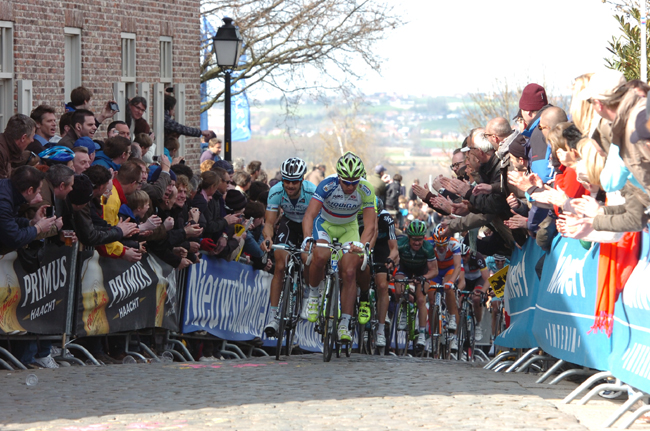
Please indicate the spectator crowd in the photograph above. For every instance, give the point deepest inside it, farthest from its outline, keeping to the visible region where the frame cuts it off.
(583, 174)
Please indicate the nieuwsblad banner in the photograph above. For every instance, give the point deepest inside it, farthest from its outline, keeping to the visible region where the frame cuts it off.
(565, 306)
(117, 296)
(521, 289)
(35, 302)
(231, 301)
(631, 334)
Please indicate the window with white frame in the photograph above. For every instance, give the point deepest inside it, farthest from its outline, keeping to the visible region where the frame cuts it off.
(72, 59)
(6, 72)
(128, 63)
(166, 60)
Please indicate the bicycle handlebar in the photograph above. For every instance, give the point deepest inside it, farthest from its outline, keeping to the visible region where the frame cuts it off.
(366, 251)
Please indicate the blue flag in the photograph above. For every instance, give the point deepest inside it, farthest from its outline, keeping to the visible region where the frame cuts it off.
(240, 120)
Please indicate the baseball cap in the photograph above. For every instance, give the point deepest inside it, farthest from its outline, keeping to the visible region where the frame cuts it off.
(602, 84)
(379, 169)
(641, 132)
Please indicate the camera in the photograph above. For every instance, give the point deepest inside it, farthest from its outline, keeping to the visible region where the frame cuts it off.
(182, 162)
(49, 212)
(114, 107)
(155, 158)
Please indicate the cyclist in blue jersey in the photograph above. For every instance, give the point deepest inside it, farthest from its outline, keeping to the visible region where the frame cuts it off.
(292, 195)
(332, 213)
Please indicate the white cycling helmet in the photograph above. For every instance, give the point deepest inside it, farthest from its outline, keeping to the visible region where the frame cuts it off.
(293, 169)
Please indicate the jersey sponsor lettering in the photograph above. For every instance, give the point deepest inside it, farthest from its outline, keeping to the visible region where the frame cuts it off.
(338, 207)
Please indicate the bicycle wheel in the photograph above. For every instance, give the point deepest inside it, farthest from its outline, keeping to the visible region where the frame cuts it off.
(334, 313)
(436, 333)
(471, 332)
(294, 317)
(402, 339)
(327, 321)
(461, 333)
(282, 323)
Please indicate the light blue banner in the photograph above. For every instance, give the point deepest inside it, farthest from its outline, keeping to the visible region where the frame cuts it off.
(520, 296)
(565, 306)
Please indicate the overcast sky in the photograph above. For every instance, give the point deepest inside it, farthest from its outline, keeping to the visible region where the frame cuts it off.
(460, 46)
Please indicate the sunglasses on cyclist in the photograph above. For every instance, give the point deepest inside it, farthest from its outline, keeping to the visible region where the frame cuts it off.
(349, 183)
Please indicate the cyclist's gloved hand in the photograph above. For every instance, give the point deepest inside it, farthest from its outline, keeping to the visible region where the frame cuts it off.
(449, 285)
(208, 245)
(305, 242)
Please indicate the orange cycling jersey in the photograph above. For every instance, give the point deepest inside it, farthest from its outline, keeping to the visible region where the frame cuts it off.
(446, 259)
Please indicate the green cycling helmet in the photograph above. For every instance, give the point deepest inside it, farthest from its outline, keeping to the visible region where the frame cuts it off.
(350, 166)
(416, 228)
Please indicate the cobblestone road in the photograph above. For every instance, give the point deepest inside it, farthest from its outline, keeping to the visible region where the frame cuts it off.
(365, 393)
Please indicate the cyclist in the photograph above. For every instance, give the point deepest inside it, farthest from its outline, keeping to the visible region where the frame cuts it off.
(496, 263)
(384, 252)
(332, 213)
(475, 274)
(417, 258)
(447, 252)
(292, 195)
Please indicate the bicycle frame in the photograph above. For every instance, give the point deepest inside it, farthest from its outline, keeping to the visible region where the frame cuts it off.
(290, 298)
(329, 308)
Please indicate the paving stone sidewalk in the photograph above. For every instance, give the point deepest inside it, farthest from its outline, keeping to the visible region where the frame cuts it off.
(302, 392)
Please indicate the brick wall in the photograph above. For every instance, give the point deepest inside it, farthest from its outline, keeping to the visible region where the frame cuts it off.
(39, 47)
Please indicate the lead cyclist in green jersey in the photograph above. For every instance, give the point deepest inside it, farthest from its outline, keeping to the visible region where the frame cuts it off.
(332, 213)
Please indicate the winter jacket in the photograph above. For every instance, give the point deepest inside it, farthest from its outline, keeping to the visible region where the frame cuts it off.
(392, 195)
(379, 185)
(10, 155)
(625, 218)
(540, 151)
(635, 156)
(15, 231)
(102, 159)
(111, 215)
(171, 126)
(90, 234)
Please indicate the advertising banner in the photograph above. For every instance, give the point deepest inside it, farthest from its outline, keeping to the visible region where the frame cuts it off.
(631, 335)
(229, 300)
(520, 295)
(117, 296)
(565, 306)
(35, 302)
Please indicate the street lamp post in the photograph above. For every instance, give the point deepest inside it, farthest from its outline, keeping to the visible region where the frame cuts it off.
(227, 48)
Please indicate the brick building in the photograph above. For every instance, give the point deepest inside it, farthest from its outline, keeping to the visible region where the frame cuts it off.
(116, 48)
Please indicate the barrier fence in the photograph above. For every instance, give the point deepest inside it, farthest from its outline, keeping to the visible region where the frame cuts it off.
(556, 313)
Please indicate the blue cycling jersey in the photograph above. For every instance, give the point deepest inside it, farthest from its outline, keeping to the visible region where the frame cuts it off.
(295, 212)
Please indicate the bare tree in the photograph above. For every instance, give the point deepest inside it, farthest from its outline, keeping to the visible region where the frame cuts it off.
(502, 101)
(297, 45)
(349, 131)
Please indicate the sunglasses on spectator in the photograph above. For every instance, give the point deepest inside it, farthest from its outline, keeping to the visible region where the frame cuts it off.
(349, 183)
(31, 156)
(455, 166)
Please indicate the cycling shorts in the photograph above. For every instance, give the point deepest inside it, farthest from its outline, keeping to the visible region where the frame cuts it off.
(344, 233)
(470, 285)
(380, 255)
(441, 274)
(410, 272)
(288, 232)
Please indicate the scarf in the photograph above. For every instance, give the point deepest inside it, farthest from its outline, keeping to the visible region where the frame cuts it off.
(615, 265)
